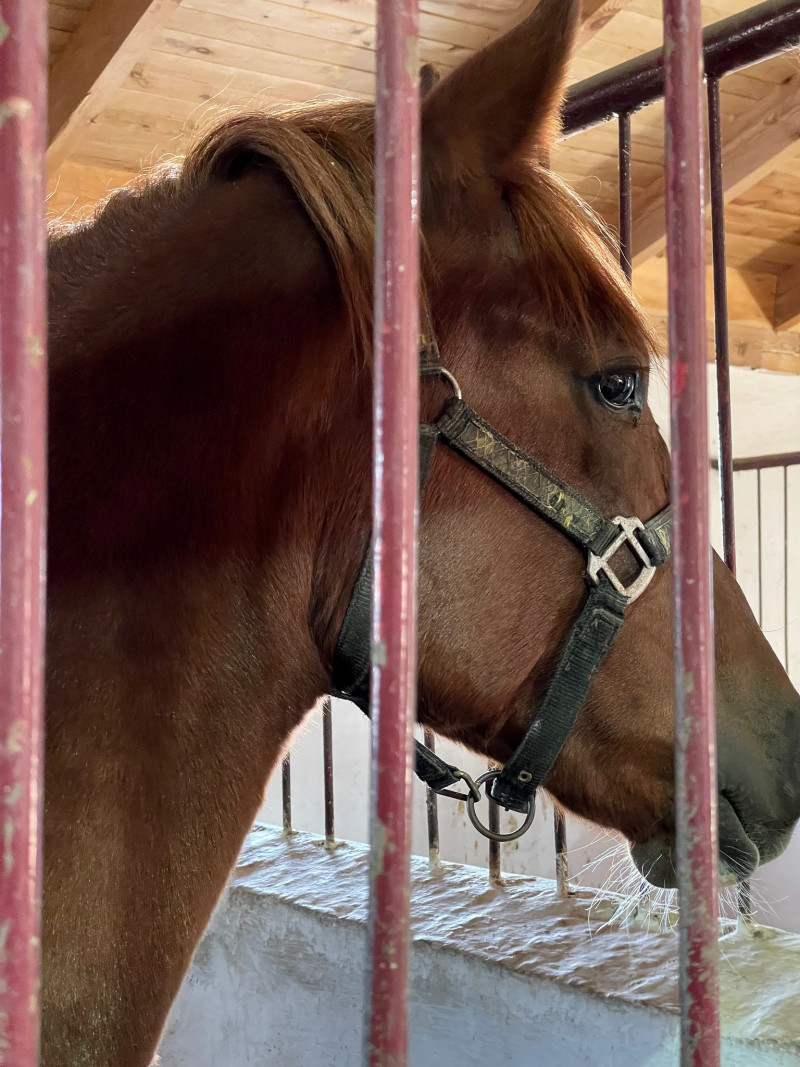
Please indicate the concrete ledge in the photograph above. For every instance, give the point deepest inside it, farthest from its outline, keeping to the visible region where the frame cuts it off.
(510, 975)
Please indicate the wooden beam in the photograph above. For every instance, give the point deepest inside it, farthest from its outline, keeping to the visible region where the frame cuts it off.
(751, 347)
(99, 55)
(756, 142)
(751, 296)
(595, 15)
(787, 299)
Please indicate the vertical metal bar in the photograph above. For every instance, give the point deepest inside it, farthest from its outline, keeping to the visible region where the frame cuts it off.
(286, 793)
(786, 568)
(327, 765)
(562, 864)
(695, 756)
(432, 808)
(494, 826)
(23, 387)
(394, 518)
(721, 326)
(625, 197)
(722, 363)
(760, 551)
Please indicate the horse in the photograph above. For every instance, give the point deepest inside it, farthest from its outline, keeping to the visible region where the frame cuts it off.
(210, 428)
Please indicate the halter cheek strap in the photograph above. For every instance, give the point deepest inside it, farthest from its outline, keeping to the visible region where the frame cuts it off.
(591, 636)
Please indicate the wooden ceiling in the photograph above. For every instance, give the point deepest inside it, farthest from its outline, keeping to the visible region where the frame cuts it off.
(131, 80)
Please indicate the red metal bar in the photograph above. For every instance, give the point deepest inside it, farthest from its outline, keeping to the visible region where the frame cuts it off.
(327, 769)
(395, 496)
(723, 366)
(625, 196)
(23, 389)
(695, 757)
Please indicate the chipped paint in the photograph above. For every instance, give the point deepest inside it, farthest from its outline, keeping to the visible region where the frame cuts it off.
(8, 844)
(412, 59)
(5, 29)
(15, 107)
(34, 351)
(378, 851)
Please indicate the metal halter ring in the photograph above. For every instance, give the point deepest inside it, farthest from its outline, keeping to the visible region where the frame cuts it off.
(491, 834)
(448, 377)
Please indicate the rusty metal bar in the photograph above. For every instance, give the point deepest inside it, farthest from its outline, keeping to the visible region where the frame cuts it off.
(23, 387)
(327, 769)
(394, 518)
(695, 755)
(494, 826)
(730, 45)
(625, 197)
(432, 808)
(286, 793)
(723, 367)
(562, 862)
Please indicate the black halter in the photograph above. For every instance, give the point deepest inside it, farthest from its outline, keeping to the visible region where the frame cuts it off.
(592, 634)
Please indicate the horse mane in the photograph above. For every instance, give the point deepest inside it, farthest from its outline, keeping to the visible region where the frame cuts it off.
(326, 153)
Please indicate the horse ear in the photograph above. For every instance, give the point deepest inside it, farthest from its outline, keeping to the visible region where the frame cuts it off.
(503, 103)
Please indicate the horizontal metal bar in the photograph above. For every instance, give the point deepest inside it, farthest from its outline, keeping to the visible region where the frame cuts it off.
(736, 42)
(762, 463)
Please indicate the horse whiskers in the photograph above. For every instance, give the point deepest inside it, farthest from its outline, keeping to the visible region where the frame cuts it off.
(637, 901)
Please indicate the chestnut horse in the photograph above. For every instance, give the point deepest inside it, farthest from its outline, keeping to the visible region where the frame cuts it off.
(209, 510)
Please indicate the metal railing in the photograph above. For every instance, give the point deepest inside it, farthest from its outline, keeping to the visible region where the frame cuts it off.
(728, 46)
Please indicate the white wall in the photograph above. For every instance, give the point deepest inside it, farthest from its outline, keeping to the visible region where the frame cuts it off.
(766, 419)
(506, 976)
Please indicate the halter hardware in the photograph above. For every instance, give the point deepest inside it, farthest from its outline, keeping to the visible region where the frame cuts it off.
(602, 564)
(589, 639)
(494, 835)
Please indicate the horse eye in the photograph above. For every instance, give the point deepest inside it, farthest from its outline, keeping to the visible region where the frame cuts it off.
(620, 391)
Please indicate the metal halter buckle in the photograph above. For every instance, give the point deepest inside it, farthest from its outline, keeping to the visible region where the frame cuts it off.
(627, 535)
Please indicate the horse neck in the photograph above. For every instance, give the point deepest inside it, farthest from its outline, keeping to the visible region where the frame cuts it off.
(193, 448)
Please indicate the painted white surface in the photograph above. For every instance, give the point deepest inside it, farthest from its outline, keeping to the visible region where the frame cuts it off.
(766, 419)
(511, 975)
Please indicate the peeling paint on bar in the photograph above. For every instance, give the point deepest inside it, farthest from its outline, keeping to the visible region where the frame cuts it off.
(23, 52)
(394, 519)
(695, 755)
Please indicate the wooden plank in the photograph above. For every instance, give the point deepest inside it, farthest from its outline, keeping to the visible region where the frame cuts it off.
(751, 347)
(596, 15)
(787, 299)
(756, 142)
(751, 297)
(78, 188)
(99, 54)
(325, 77)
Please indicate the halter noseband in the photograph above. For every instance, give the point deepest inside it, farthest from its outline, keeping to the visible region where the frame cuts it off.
(589, 640)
